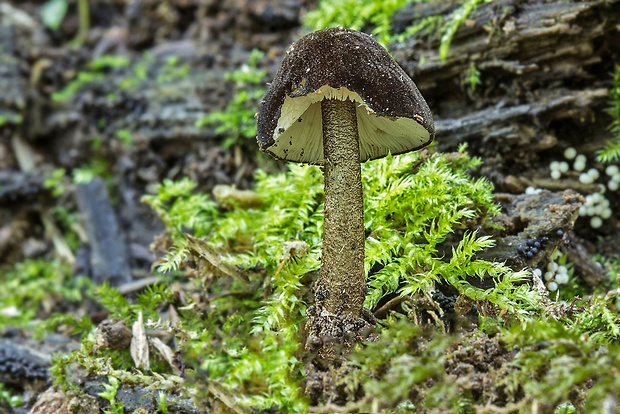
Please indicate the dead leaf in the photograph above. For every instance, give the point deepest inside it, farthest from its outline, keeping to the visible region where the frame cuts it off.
(139, 348)
(165, 351)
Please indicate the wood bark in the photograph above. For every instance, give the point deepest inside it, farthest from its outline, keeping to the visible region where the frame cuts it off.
(109, 258)
(544, 70)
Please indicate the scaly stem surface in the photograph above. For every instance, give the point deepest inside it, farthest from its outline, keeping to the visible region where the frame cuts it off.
(342, 286)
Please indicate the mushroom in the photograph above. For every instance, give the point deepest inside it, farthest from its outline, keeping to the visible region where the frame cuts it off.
(339, 99)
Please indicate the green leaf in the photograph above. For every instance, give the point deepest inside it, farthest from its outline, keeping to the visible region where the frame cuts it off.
(53, 12)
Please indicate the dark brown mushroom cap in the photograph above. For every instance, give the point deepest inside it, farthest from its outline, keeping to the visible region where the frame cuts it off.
(341, 63)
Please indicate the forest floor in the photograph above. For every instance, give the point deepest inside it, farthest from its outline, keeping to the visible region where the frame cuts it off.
(95, 115)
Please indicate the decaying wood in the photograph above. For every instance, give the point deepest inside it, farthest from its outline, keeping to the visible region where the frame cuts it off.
(135, 398)
(517, 129)
(109, 258)
(544, 214)
(544, 70)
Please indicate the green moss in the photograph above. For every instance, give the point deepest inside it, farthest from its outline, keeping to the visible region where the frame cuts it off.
(75, 85)
(109, 394)
(473, 75)
(109, 62)
(419, 210)
(10, 118)
(28, 285)
(376, 15)
(128, 75)
(411, 209)
(172, 70)
(556, 363)
(236, 122)
(12, 400)
(538, 363)
(413, 204)
(611, 151)
(357, 15)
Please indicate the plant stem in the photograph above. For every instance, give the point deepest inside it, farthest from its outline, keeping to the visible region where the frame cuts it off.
(84, 16)
(342, 285)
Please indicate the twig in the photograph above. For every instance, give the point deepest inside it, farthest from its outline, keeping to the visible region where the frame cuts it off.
(201, 249)
(226, 398)
(391, 304)
(333, 408)
(137, 285)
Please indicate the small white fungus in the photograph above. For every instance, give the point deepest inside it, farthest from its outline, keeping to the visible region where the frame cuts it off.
(585, 178)
(612, 170)
(570, 153)
(593, 172)
(606, 213)
(561, 279)
(580, 162)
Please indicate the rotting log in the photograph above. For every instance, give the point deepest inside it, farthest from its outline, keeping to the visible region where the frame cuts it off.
(544, 68)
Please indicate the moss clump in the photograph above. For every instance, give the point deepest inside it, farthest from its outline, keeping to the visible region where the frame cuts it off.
(94, 73)
(376, 15)
(357, 15)
(129, 76)
(32, 286)
(243, 342)
(539, 363)
(414, 203)
(414, 208)
(236, 122)
(611, 151)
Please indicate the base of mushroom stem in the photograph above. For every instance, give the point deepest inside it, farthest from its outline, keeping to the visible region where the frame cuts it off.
(330, 338)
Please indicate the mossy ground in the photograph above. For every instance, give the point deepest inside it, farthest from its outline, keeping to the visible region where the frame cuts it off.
(238, 346)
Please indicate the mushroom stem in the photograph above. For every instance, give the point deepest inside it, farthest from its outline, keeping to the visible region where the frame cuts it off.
(342, 285)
